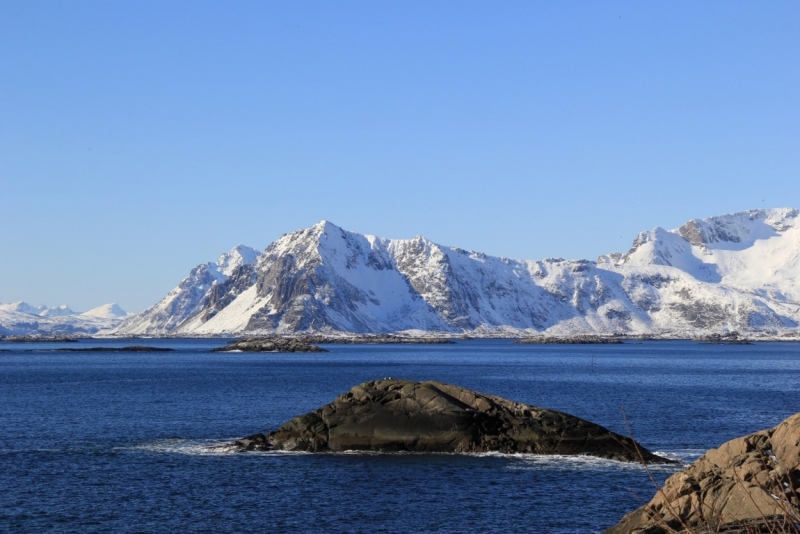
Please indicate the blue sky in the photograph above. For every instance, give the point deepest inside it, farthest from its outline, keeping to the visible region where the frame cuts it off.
(138, 139)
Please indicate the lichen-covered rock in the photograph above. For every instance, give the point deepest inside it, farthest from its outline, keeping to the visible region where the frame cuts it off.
(399, 415)
(747, 483)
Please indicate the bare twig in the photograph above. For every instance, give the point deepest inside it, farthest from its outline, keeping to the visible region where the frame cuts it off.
(651, 477)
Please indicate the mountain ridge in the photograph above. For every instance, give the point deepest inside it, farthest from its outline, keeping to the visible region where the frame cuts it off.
(731, 272)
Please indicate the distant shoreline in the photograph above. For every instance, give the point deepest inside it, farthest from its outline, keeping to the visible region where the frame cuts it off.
(392, 339)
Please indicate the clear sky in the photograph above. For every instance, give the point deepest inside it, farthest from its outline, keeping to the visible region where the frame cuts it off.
(138, 139)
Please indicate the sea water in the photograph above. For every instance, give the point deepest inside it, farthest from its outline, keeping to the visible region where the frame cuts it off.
(124, 442)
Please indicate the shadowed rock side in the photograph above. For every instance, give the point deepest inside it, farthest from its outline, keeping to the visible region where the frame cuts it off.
(749, 484)
(272, 344)
(399, 415)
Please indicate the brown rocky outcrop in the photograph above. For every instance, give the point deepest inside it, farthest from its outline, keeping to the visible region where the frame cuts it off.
(748, 484)
(399, 415)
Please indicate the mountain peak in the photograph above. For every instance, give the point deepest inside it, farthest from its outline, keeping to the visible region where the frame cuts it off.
(236, 257)
(58, 311)
(324, 226)
(106, 311)
(740, 229)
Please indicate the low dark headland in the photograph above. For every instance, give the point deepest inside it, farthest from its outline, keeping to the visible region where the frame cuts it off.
(135, 348)
(749, 484)
(271, 344)
(576, 340)
(392, 415)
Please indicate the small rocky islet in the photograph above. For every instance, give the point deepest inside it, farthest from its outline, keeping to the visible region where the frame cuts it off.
(574, 340)
(374, 339)
(309, 343)
(393, 415)
(271, 344)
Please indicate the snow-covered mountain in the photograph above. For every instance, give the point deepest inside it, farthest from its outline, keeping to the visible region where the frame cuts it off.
(106, 311)
(20, 318)
(733, 272)
(23, 307)
(58, 311)
(193, 294)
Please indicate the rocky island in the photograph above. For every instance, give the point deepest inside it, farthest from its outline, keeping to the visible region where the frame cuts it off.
(373, 339)
(270, 344)
(392, 415)
(748, 484)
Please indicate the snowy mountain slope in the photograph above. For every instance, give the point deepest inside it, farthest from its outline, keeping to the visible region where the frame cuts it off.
(198, 289)
(734, 272)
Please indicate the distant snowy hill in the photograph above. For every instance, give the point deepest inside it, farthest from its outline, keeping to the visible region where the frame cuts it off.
(20, 318)
(58, 311)
(106, 311)
(733, 272)
(23, 307)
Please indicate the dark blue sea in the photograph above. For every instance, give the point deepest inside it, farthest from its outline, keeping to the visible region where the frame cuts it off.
(121, 442)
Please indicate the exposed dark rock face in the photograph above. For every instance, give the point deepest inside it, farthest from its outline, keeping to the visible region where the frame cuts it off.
(220, 295)
(577, 340)
(398, 415)
(271, 344)
(747, 485)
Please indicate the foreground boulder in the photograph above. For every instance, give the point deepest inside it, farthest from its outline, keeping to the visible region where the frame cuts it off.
(749, 484)
(399, 415)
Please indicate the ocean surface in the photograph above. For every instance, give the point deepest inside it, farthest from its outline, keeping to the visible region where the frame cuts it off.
(121, 442)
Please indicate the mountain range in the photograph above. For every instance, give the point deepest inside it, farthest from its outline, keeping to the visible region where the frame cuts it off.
(736, 272)
(21, 318)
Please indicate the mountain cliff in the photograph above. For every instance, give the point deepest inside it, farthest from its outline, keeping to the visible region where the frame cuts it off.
(732, 272)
